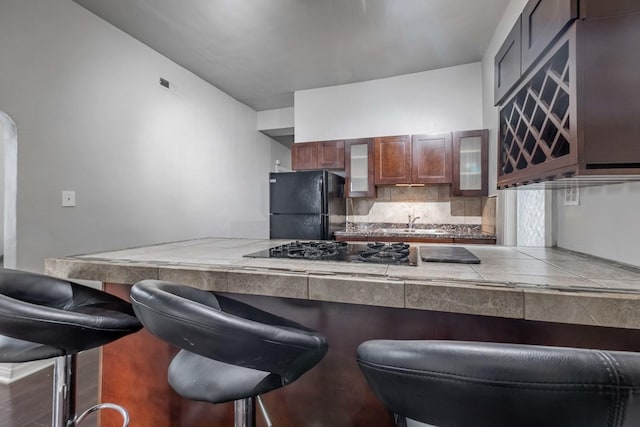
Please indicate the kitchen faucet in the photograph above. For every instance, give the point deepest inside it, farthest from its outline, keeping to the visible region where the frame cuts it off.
(412, 221)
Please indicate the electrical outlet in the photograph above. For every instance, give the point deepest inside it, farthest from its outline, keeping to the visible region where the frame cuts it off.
(68, 199)
(572, 196)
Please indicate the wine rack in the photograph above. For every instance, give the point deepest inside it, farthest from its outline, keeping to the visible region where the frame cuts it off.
(535, 123)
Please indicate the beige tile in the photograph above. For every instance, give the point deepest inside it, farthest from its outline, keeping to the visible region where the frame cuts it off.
(472, 207)
(383, 192)
(489, 214)
(468, 299)
(106, 272)
(457, 207)
(361, 207)
(592, 269)
(208, 279)
(346, 268)
(486, 252)
(519, 266)
(278, 284)
(550, 254)
(528, 279)
(357, 290)
(632, 285)
(444, 193)
(411, 194)
(276, 264)
(490, 229)
(596, 309)
(434, 270)
(431, 193)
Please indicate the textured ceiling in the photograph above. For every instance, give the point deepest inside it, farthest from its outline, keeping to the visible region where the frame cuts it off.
(261, 51)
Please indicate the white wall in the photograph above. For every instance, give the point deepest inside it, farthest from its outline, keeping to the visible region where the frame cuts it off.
(448, 99)
(506, 228)
(276, 119)
(147, 165)
(604, 224)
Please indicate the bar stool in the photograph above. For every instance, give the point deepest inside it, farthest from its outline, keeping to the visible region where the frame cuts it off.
(42, 317)
(449, 383)
(230, 351)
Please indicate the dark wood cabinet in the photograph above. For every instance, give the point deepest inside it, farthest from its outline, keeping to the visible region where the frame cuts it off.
(590, 9)
(576, 112)
(304, 156)
(359, 168)
(542, 21)
(507, 63)
(392, 160)
(470, 163)
(317, 155)
(331, 154)
(431, 160)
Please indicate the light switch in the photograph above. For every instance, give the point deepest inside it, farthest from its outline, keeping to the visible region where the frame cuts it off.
(68, 198)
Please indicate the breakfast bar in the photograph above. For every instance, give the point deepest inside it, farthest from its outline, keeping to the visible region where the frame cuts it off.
(515, 294)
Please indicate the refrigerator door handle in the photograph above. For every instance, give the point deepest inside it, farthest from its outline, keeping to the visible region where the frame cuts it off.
(325, 226)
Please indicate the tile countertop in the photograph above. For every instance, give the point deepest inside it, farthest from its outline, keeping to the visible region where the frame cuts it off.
(514, 282)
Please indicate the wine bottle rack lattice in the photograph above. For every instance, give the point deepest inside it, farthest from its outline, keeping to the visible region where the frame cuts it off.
(534, 125)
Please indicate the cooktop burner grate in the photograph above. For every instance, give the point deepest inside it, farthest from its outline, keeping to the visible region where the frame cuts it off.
(373, 252)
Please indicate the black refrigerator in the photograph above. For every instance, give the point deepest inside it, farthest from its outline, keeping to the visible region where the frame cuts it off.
(306, 205)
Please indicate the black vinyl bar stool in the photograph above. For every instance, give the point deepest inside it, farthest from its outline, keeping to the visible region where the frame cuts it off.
(230, 351)
(42, 317)
(450, 383)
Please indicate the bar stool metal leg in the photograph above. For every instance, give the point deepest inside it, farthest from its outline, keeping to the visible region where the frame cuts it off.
(64, 391)
(245, 412)
(64, 395)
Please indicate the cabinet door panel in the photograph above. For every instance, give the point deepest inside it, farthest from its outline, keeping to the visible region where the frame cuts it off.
(542, 21)
(331, 154)
(611, 97)
(393, 160)
(304, 156)
(507, 63)
(470, 163)
(431, 159)
(590, 9)
(359, 166)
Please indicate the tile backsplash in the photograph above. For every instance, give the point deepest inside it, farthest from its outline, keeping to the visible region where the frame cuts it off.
(432, 203)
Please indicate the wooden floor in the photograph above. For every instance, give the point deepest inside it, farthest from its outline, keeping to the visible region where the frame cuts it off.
(27, 402)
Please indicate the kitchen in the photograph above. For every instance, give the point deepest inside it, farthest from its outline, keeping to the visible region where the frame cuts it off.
(114, 142)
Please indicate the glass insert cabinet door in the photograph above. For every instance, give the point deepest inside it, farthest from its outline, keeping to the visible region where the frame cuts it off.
(470, 163)
(359, 179)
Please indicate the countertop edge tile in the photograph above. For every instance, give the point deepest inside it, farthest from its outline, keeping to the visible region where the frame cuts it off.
(106, 272)
(286, 285)
(584, 308)
(208, 279)
(452, 297)
(357, 290)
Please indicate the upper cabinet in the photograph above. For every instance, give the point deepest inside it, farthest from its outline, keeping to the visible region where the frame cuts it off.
(470, 158)
(431, 159)
(590, 9)
(318, 155)
(507, 62)
(392, 159)
(539, 24)
(304, 156)
(359, 166)
(331, 154)
(542, 21)
(575, 111)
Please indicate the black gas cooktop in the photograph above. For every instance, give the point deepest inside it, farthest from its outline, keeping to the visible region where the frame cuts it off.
(373, 252)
